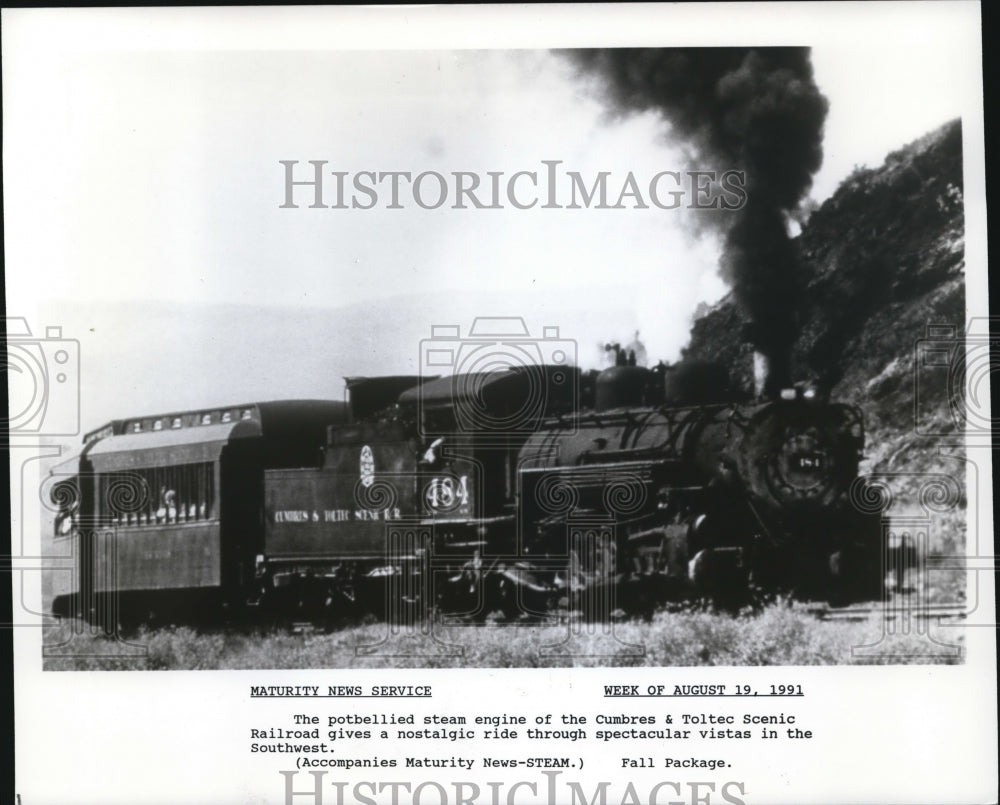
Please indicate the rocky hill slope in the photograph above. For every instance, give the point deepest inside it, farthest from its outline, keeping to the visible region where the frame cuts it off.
(882, 259)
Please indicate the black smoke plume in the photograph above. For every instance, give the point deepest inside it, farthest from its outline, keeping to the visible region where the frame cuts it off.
(752, 109)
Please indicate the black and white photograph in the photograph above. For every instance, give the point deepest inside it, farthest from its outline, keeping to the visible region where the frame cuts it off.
(495, 357)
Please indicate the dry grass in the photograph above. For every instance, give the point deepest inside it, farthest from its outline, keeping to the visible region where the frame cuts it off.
(779, 635)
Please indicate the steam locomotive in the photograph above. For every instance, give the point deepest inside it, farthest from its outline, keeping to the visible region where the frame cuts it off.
(518, 491)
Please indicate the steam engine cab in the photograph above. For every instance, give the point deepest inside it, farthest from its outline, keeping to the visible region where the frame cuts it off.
(414, 490)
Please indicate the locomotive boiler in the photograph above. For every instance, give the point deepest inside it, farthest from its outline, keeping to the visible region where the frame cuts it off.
(703, 496)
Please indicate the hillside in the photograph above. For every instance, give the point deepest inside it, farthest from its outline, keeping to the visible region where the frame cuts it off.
(880, 260)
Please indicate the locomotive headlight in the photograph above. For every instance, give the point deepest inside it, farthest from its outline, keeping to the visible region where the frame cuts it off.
(788, 394)
(809, 394)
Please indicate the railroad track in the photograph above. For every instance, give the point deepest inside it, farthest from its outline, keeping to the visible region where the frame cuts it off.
(896, 609)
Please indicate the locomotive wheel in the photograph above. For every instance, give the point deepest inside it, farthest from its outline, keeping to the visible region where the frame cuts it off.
(464, 592)
(854, 577)
(592, 574)
(399, 599)
(505, 599)
(721, 578)
(517, 592)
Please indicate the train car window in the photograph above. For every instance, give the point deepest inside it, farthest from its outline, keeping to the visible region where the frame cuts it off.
(183, 493)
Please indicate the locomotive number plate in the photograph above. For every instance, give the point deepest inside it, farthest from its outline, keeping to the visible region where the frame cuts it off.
(809, 461)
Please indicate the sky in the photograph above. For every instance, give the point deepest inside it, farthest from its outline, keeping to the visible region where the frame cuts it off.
(149, 170)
